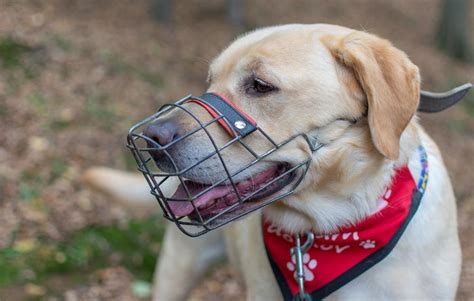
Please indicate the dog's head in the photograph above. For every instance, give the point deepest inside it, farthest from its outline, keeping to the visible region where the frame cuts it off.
(353, 91)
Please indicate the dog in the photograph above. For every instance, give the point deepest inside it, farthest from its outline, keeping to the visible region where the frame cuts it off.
(359, 95)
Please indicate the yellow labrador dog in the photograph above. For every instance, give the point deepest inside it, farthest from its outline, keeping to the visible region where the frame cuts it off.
(316, 78)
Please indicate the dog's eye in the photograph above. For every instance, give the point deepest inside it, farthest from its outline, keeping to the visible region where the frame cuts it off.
(258, 86)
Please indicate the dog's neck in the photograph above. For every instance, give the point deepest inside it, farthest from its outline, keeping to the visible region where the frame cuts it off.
(327, 210)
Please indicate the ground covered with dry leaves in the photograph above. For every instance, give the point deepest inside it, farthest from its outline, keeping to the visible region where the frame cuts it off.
(75, 74)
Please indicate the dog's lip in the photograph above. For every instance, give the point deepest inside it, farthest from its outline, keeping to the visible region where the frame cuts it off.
(220, 197)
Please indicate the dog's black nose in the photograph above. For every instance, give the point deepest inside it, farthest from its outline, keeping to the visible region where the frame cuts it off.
(163, 131)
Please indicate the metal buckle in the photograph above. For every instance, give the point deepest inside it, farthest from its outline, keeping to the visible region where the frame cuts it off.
(313, 142)
(299, 250)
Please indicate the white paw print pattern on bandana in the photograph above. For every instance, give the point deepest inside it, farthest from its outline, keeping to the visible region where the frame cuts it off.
(367, 244)
(308, 265)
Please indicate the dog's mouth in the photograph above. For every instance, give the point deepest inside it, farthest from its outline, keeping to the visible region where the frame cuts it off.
(208, 202)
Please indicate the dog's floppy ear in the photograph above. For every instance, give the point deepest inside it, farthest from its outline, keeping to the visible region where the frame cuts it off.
(390, 81)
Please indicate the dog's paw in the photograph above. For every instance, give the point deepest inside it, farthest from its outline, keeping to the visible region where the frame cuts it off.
(308, 265)
(367, 244)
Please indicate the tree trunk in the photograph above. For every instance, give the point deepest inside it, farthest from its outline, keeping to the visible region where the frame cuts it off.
(452, 36)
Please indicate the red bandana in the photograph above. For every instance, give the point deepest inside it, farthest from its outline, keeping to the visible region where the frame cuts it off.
(337, 258)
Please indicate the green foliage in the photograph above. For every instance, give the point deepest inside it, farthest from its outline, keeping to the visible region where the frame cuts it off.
(9, 271)
(149, 77)
(3, 108)
(39, 103)
(11, 52)
(118, 66)
(62, 43)
(58, 167)
(128, 160)
(468, 103)
(458, 126)
(28, 192)
(100, 110)
(17, 58)
(30, 186)
(134, 245)
(58, 124)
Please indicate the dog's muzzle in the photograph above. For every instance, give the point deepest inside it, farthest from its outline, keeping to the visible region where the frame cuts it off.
(200, 205)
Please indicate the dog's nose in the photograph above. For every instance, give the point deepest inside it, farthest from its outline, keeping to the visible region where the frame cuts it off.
(163, 131)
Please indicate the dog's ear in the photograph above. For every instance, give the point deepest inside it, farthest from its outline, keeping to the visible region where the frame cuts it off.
(390, 81)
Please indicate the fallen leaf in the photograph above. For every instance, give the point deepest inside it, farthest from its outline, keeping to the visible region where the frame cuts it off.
(141, 289)
(24, 245)
(34, 290)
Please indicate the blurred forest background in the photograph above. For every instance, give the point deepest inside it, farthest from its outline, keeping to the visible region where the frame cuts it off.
(75, 74)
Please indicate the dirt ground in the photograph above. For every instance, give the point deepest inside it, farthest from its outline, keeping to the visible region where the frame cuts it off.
(77, 73)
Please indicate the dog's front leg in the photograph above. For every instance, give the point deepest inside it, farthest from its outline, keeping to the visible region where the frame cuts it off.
(183, 260)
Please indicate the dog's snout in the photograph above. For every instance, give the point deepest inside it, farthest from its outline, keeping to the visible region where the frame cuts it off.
(163, 131)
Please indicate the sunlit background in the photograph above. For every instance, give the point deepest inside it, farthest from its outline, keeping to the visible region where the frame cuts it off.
(75, 74)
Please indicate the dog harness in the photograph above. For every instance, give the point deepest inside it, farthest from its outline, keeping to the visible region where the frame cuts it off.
(334, 259)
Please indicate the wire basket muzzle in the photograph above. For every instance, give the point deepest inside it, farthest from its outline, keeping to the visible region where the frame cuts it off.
(201, 182)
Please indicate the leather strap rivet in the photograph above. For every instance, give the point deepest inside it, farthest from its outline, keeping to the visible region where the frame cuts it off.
(240, 124)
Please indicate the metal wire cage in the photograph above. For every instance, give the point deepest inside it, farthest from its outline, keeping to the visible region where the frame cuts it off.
(202, 220)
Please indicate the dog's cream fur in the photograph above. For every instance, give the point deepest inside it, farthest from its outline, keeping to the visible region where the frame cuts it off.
(323, 73)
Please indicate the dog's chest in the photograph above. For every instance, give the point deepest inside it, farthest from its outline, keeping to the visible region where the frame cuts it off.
(248, 256)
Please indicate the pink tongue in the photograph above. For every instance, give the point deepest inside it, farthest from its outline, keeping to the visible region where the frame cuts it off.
(184, 207)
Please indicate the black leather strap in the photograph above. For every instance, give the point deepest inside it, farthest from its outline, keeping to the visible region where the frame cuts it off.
(431, 102)
(239, 121)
